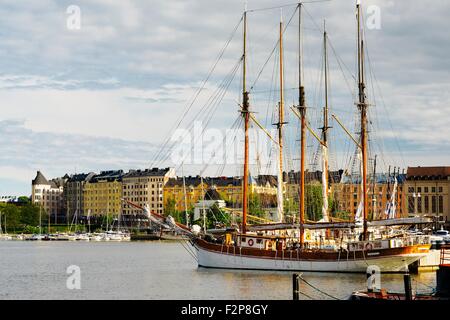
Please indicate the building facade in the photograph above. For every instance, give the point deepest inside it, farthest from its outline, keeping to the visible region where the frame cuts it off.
(74, 194)
(102, 194)
(49, 195)
(428, 192)
(380, 193)
(145, 188)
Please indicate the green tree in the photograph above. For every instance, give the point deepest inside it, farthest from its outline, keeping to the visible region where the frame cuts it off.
(314, 202)
(10, 217)
(214, 216)
(29, 215)
(24, 199)
(255, 205)
(169, 207)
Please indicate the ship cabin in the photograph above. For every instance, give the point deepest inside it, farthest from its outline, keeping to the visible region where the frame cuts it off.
(263, 242)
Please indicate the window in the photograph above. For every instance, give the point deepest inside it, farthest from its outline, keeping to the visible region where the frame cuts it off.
(411, 204)
(433, 189)
(427, 204)
(433, 204)
(441, 204)
(411, 189)
(425, 189)
(243, 239)
(419, 189)
(440, 189)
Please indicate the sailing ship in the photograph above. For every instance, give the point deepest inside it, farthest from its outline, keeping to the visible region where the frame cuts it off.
(282, 246)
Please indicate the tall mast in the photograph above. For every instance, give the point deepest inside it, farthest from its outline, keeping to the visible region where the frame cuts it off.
(325, 133)
(302, 110)
(374, 182)
(246, 115)
(204, 211)
(280, 128)
(362, 106)
(185, 197)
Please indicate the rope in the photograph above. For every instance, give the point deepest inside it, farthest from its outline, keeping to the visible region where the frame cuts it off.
(198, 91)
(306, 295)
(188, 250)
(324, 293)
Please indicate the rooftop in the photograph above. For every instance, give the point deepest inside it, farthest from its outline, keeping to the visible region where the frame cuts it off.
(154, 172)
(428, 173)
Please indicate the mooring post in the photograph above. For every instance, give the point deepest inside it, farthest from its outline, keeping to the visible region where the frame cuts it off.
(295, 286)
(408, 289)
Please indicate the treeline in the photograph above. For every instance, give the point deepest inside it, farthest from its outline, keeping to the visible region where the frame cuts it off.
(21, 217)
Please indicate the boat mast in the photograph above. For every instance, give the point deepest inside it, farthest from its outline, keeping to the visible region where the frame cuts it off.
(302, 110)
(325, 133)
(362, 106)
(246, 115)
(280, 128)
(185, 197)
(204, 211)
(374, 182)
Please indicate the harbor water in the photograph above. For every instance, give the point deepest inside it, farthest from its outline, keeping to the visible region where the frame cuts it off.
(157, 270)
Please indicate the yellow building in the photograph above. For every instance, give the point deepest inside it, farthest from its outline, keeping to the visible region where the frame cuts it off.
(145, 188)
(174, 191)
(348, 195)
(103, 193)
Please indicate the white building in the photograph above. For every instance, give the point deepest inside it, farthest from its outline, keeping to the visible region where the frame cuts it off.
(49, 194)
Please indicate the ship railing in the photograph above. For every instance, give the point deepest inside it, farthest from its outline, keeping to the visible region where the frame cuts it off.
(396, 242)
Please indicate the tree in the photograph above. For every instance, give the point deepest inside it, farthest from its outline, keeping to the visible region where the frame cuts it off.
(30, 215)
(255, 206)
(10, 217)
(214, 216)
(314, 201)
(169, 207)
(23, 199)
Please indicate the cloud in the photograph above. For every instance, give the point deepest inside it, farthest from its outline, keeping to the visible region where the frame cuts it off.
(25, 151)
(133, 68)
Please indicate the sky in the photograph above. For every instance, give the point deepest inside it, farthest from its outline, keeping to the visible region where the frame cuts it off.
(108, 94)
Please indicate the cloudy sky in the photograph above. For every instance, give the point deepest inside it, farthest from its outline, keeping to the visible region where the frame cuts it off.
(109, 94)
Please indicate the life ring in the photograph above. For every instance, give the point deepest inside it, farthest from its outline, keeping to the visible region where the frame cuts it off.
(250, 242)
(368, 246)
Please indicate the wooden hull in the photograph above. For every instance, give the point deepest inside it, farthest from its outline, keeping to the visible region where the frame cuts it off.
(230, 257)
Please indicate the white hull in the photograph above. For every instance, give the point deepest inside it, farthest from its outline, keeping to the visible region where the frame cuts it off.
(213, 259)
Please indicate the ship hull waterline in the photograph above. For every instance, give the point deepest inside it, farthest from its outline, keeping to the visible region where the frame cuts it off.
(394, 260)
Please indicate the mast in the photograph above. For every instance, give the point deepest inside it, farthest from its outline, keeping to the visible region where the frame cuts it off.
(185, 198)
(374, 198)
(362, 106)
(302, 110)
(40, 218)
(204, 212)
(246, 115)
(325, 134)
(280, 128)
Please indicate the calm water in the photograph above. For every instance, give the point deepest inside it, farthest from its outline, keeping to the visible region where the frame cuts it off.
(155, 270)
